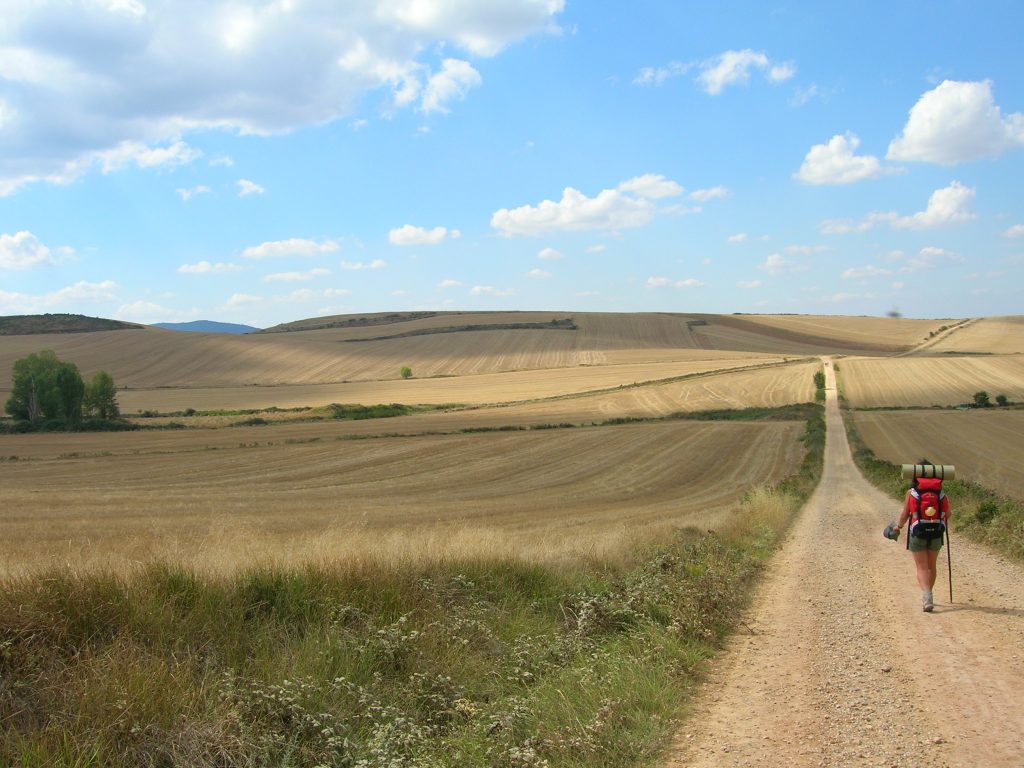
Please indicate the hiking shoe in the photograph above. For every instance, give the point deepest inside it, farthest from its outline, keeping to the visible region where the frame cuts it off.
(926, 602)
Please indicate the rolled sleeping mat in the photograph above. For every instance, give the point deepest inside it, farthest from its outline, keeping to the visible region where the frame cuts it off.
(941, 471)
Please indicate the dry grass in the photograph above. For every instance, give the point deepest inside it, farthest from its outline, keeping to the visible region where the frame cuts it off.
(544, 494)
(928, 381)
(990, 335)
(985, 445)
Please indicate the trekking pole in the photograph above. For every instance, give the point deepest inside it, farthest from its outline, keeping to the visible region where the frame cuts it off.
(949, 565)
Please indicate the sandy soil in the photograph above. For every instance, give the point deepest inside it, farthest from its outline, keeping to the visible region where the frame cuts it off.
(836, 664)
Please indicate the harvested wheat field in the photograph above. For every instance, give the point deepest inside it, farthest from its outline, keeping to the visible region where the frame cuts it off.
(928, 381)
(987, 335)
(542, 495)
(985, 445)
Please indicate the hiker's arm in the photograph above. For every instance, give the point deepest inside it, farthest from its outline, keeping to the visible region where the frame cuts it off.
(904, 514)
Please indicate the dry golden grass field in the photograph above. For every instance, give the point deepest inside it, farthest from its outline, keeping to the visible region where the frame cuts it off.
(987, 446)
(926, 381)
(542, 494)
(990, 335)
(216, 496)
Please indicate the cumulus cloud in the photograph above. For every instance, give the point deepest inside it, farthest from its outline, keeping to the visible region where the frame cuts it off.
(22, 250)
(355, 266)
(188, 194)
(949, 205)
(538, 274)
(654, 76)
(713, 193)
(206, 268)
(836, 163)
(276, 249)
(143, 312)
(242, 300)
(946, 206)
(294, 277)
(549, 254)
(930, 258)
(631, 204)
(739, 237)
(411, 235)
(1017, 230)
(776, 264)
(599, 248)
(246, 188)
(957, 122)
(734, 67)
(445, 284)
(452, 82)
(91, 68)
(63, 300)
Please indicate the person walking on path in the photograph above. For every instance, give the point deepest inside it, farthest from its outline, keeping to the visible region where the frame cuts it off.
(926, 509)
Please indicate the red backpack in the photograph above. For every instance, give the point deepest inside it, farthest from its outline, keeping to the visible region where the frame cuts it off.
(927, 516)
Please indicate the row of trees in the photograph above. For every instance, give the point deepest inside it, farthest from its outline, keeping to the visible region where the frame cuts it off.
(46, 388)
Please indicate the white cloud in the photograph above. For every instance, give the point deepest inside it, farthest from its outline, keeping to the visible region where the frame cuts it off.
(749, 284)
(256, 68)
(452, 82)
(836, 163)
(549, 254)
(143, 312)
(949, 205)
(246, 188)
(487, 290)
(957, 122)
(865, 273)
(222, 160)
(930, 258)
(776, 265)
(276, 249)
(599, 248)
(805, 250)
(538, 274)
(62, 300)
(739, 237)
(444, 284)
(664, 282)
(410, 235)
(206, 268)
(188, 194)
(733, 68)
(333, 293)
(355, 266)
(628, 205)
(294, 277)
(714, 193)
(652, 76)
(241, 300)
(1017, 230)
(22, 250)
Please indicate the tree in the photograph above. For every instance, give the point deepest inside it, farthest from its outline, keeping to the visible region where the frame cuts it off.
(981, 400)
(406, 372)
(1002, 400)
(45, 388)
(101, 397)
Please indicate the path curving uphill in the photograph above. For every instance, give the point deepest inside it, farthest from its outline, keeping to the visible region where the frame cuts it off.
(835, 664)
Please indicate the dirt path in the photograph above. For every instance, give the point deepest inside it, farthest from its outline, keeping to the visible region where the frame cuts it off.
(838, 665)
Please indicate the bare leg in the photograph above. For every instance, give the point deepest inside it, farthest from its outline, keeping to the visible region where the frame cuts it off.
(932, 567)
(924, 562)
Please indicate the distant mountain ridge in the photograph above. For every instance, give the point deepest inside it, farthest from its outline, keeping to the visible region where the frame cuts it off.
(207, 326)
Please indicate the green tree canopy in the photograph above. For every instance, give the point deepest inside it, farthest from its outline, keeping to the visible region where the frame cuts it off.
(101, 397)
(43, 387)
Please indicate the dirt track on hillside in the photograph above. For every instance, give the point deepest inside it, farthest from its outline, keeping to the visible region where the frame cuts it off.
(835, 664)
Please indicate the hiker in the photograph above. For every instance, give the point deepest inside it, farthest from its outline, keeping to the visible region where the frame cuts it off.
(926, 508)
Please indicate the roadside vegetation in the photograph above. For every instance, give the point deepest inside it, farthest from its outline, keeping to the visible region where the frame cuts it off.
(461, 661)
(981, 513)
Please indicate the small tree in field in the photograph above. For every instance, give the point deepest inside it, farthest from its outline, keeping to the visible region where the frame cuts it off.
(1002, 400)
(406, 372)
(43, 387)
(101, 397)
(981, 400)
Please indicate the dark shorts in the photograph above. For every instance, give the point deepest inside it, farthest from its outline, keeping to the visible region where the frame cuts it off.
(924, 545)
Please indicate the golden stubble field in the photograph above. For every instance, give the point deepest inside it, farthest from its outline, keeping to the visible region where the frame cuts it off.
(425, 485)
(987, 446)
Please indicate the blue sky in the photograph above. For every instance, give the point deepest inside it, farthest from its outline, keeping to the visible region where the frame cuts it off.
(260, 162)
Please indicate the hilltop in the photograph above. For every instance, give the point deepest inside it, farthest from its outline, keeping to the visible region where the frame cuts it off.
(27, 325)
(207, 326)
